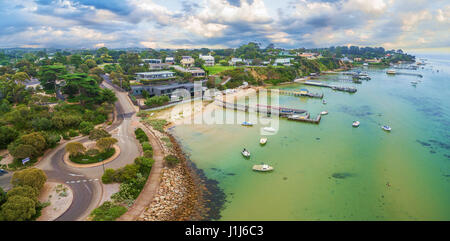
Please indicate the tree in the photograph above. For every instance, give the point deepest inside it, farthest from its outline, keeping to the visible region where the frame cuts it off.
(49, 74)
(84, 87)
(90, 63)
(75, 148)
(22, 151)
(7, 135)
(2, 196)
(18, 208)
(36, 140)
(108, 96)
(98, 133)
(106, 143)
(32, 177)
(76, 60)
(157, 100)
(24, 191)
(86, 127)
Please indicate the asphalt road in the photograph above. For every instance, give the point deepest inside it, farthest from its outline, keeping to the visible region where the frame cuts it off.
(86, 182)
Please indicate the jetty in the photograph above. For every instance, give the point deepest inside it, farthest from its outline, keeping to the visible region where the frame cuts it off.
(334, 87)
(289, 113)
(403, 73)
(300, 93)
(305, 118)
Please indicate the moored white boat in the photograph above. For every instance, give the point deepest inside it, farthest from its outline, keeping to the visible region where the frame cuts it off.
(356, 123)
(269, 129)
(386, 128)
(263, 141)
(245, 153)
(262, 168)
(324, 112)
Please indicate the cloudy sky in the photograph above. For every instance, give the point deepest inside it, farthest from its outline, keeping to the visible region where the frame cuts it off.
(406, 24)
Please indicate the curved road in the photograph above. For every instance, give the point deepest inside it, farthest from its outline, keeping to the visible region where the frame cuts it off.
(86, 182)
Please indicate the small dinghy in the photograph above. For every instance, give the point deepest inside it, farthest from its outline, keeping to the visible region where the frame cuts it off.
(356, 123)
(269, 129)
(324, 112)
(263, 141)
(386, 128)
(246, 153)
(247, 123)
(262, 168)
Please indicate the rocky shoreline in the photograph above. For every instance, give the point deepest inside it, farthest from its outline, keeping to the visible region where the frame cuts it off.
(185, 193)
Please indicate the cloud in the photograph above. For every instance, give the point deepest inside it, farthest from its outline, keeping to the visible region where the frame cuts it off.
(224, 23)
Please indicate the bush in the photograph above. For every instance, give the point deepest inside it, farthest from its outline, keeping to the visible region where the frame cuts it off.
(32, 177)
(146, 146)
(140, 135)
(157, 124)
(108, 211)
(86, 159)
(171, 160)
(108, 176)
(86, 127)
(148, 154)
(73, 133)
(25, 191)
(98, 134)
(18, 208)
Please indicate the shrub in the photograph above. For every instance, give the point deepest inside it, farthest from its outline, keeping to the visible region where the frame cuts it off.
(98, 134)
(25, 191)
(73, 133)
(140, 135)
(32, 177)
(108, 176)
(108, 211)
(146, 146)
(171, 160)
(148, 154)
(18, 208)
(86, 127)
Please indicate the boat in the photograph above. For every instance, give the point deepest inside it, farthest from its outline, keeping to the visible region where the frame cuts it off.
(356, 123)
(324, 112)
(365, 64)
(263, 141)
(269, 129)
(246, 123)
(245, 153)
(386, 128)
(262, 168)
(324, 102)
(414, 82)
(391, 71)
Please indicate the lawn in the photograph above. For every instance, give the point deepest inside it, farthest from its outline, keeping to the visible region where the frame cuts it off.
(86, 159)
(218, 68)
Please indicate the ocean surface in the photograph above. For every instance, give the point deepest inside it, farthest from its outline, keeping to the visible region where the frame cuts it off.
(333, 171)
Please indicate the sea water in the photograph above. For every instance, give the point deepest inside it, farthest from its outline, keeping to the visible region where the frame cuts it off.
(333, 171)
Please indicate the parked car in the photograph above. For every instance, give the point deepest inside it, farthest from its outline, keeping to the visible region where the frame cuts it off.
(2, 172)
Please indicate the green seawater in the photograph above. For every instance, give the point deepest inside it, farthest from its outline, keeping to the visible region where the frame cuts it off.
(333, 171)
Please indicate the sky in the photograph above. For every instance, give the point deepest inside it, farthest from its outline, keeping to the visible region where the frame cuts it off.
(392, 24)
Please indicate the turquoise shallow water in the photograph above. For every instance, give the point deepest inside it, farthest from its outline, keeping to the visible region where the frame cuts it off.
(332, 171)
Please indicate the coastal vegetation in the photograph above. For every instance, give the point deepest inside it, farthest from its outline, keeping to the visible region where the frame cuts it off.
(79, 154)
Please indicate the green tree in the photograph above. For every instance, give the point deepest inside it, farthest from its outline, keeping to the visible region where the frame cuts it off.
(106, 143)
(24, 191)
(18, 208)
(22, 151)
(83, 87)
(7, 135)
(2, 196)
(32, 177)
(48, 75)
(75, 148)
(36, 140)
(98, 133)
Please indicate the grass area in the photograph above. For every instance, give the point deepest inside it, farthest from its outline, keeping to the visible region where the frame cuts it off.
(157, 124)
(218, 68)
(86, 159)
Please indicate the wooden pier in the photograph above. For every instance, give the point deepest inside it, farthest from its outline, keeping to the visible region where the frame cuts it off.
(289, 113)
(334, 87)
(298, 94)
(403, 73)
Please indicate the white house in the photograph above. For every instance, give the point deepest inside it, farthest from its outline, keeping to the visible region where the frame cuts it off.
(187, 61)
(209, 60)
(233, 61)
(284, 61)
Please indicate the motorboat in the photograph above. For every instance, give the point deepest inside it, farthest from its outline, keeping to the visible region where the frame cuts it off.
(356, 123)
(386, 128)
(269, 129)
(262, 168)
(391, 71)
(263, 141)
(324, 102)
(324, 113)
(247, 123)
(246, 153)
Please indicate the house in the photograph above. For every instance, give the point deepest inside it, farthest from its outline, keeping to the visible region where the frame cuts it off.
(187, 61)
(209, 60)
(284, 53)
(197, 72)
(170, 60)
(375, 60)
(345, 59)
(233, 61)
(357, 59)
(154, 75)
(284, 61)
(309, 55)
(152, 61)
(161, 89)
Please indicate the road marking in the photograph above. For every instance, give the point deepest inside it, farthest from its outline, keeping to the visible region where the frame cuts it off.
(82, 181)
(75, 175)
